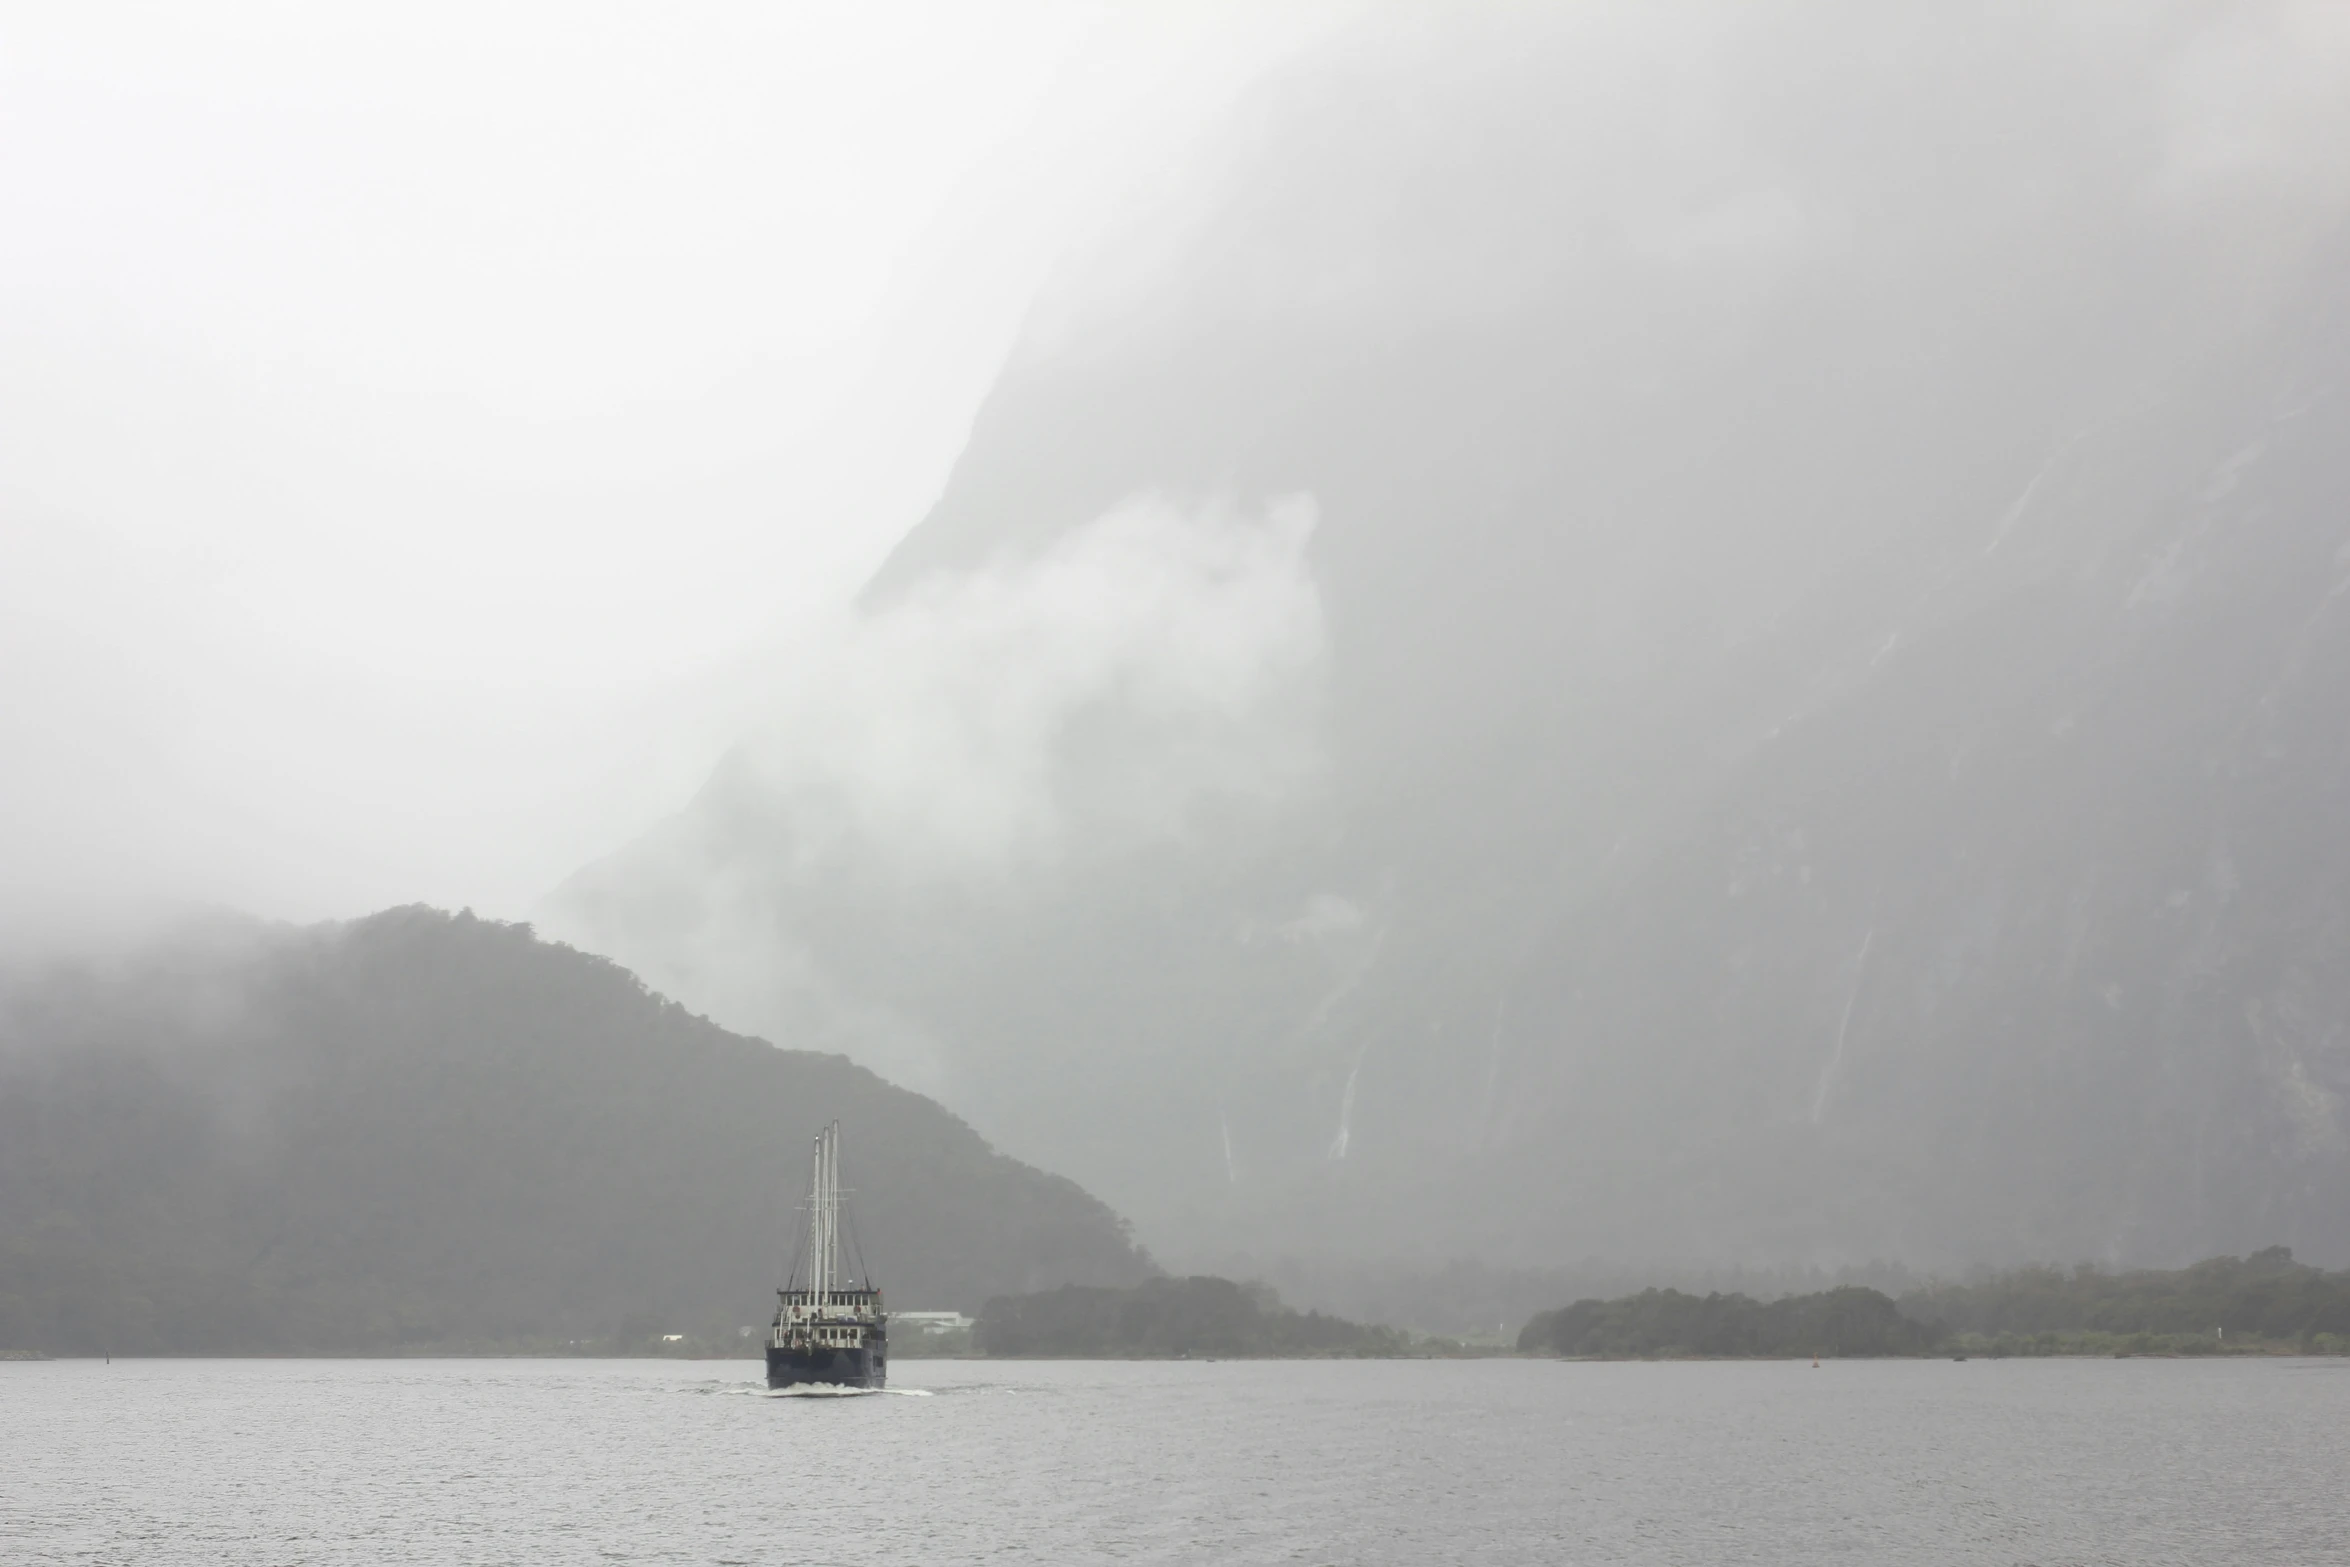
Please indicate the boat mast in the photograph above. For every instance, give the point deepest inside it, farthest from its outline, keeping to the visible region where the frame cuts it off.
(816, 1252)
(824, 1217)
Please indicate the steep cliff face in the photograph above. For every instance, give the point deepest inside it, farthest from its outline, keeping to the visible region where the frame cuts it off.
(420, 1130)
(2025, 937)
(1813, 691)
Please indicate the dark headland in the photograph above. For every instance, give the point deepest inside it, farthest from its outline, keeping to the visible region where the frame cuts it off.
(429, 1132)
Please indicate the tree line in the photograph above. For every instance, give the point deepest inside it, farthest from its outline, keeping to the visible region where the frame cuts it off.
(2266, 1301)
(1168, 1317)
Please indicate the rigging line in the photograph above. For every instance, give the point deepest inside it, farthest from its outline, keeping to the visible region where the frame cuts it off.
(799, 1246)
(848, 1216)
(856, 1249)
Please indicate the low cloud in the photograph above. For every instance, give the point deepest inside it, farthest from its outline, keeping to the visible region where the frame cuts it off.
(1151, 674)
(1155, 662)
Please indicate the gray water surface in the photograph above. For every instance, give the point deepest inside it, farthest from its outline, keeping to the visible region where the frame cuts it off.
(483, 1461)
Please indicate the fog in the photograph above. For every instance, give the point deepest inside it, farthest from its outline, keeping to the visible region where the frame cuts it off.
(422, 425)
(1738, 440)
(1154, 658)
(1700, 635)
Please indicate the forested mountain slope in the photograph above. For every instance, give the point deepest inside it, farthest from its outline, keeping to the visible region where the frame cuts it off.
(420, 1130)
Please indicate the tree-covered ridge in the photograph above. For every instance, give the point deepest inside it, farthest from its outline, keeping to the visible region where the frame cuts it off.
(1846, 1321)
(1165, 1317)
(424, 1130)
(2266, 1296)
(2264, 1302)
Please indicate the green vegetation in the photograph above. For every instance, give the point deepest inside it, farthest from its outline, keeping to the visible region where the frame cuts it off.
(1170, 1317)
(2263, 1301)
(2261, 1304)
(428, 1132)
(1667, 1323)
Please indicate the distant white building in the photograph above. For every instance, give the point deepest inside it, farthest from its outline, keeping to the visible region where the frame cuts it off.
(932, 1321)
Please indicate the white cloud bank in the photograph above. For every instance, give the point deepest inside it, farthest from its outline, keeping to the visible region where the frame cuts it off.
(1155, 662)
(1153, 672)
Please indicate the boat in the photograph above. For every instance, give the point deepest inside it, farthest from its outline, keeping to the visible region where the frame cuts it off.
(830, 1329)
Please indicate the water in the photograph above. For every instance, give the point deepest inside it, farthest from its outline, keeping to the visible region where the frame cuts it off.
(2039, 1462)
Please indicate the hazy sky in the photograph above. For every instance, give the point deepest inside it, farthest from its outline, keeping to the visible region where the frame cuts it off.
(420, 425)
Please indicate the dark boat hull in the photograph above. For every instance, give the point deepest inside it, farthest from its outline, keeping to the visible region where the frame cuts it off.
(863, 1367)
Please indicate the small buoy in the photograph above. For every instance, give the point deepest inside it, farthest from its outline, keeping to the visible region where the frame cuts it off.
(1815, 1362)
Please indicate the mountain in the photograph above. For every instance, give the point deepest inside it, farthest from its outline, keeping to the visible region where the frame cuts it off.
(421, 1130)
(1698, 633)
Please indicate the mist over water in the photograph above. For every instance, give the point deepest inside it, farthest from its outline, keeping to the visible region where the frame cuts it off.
(1425, 727)
(1367, 680)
